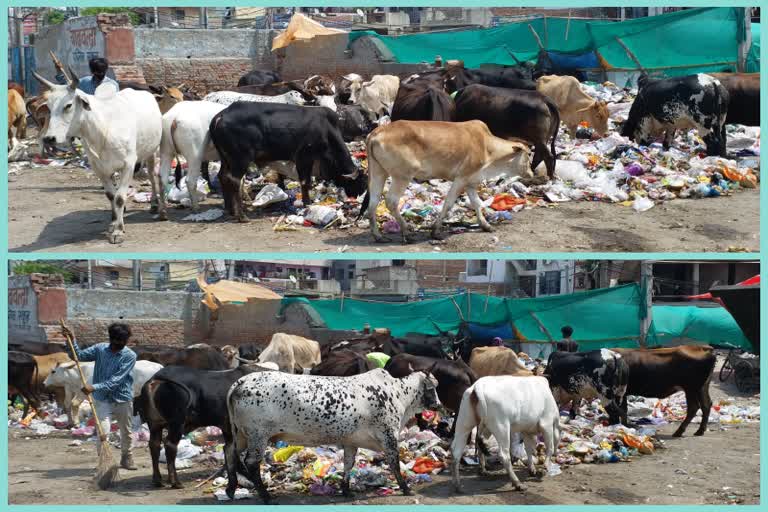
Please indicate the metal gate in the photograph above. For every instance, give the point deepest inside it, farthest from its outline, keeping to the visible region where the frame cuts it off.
(15, 56)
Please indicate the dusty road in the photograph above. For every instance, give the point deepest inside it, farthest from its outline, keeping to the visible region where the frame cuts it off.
(720, 468)
(63, 209)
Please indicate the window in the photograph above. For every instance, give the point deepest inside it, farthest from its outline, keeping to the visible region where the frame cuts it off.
(477, 268)
(114, 275)
(398, 263)
(278, 269)
(549, 283)
(178, 14)
(312, 275)
(351, 274)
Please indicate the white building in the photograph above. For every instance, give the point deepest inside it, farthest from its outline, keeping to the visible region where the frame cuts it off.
(528, 278)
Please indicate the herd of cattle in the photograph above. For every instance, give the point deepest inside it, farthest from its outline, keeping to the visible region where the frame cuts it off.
(458, 124)
(297, 391)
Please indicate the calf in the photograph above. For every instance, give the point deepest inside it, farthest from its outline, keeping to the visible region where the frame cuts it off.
(505, 405)
(514, 114)
(343, 363)
(13, 86)
(291, 353)
(17, 117)
(743, 97)
(598, 373)
(353, 122)
(96, 119)
(227, 98)
(465, 153)
(575, 106)
(661, 372)
(364, 411)
(185, 132)
(685, 102)
(37, 109)
(486, 361)
(423, 101)
(182, 399)
(22, 374)
(168, 97)
(259, 77)
(246, 133)
(320, 85)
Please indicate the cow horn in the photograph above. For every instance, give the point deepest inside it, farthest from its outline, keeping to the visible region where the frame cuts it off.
(352, 176)
(246, 361)
(46, 83)
(74, 81)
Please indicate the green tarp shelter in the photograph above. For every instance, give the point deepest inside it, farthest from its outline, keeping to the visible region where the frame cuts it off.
(607, 317)
(683, 42)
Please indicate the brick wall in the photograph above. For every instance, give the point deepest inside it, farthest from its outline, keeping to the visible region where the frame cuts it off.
(200, 75)
(167, 333)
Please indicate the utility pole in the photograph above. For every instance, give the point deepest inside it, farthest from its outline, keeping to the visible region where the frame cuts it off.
(90, 275)
(646, 288)
(157, 18)
(19, 24)
(204, 17)
(137, 274)
(230, 269)
(746, 44)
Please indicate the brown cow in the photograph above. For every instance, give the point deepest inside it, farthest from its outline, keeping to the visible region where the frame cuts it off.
(486, 361)
(744, 93)
(17, 117)
(168, 97)
(575, 105)
(658, 373)
(16, 87)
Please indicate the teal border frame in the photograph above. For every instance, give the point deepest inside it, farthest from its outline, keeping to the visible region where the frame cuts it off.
(5, 256)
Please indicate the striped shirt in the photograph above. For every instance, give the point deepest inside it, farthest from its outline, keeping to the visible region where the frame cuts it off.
(112, 373)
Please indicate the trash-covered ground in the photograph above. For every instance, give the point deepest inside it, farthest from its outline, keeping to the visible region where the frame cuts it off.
(595, 464)
(609, 194)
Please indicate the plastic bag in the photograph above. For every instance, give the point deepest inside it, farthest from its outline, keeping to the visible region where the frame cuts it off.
(506, 202)
(642, 204)
(269, 194)
(283, 454)
(320, 215)
(185, 450)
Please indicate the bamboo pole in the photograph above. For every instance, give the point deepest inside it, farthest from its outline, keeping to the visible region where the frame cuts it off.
(630, 54)
(536, 36)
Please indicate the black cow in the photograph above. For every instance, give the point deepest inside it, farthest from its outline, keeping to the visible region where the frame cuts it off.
(247, 132)
(597, 373)
(249, 351)
(422, 101)
(453, 377)
(354, 122)
(661, 372)
(508, 78)
(259, 77)
(155, 89)
(744, 97)
(38, 349)
(182, 399)
(202, 357)
(514, 114)
(663, 106)
(343, 363)
(22, 375)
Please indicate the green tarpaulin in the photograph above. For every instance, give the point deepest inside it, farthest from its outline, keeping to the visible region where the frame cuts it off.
(694, 40)
(607, 317)
(753, 57)
(711, 325)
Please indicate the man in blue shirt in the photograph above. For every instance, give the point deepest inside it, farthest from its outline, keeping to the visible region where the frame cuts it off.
(88, 84)
(112, 386)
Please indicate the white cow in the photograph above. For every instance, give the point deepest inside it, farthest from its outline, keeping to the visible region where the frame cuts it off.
(291, 353)
(65, 375)
(505, 405)
(185, 133)
(118, 131)
(375, 96)
(228, 97)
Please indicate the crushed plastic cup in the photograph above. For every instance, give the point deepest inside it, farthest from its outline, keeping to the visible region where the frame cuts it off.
(642, 204)
(270, 194)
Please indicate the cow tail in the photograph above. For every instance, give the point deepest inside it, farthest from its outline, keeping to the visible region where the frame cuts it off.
(371, 158)
(36, 379)
(177, 171)
(556, 115)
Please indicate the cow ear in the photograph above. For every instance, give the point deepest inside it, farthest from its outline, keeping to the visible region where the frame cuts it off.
(84, 102)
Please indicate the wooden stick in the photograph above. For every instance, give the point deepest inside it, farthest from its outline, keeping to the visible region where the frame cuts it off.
(536, 36)
(541, 326)
(214, 475)
(461, 315)
(341, 306)
(630, 54)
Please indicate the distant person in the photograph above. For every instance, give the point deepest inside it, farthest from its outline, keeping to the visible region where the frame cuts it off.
(567, 344)
(497, 342)
(88, 84)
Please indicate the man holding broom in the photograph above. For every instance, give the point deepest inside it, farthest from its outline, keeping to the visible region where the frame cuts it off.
(112, 386)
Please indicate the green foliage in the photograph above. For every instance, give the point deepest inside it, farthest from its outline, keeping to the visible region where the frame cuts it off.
(54, 17)
(39, 267)
(92, 11)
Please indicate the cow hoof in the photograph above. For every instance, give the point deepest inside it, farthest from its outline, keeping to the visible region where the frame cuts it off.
(459, 490)
(677, 434)
(437, 235)
(116, 237)
(521, 488)
(487, 228)
(153, 208)
(380, 239)
(157, 483)
(699, 433)
(177, 485)
(243, 219)
(407, 492)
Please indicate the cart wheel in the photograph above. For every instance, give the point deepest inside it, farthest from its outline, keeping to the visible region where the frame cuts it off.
(744, 377)
(726, 370)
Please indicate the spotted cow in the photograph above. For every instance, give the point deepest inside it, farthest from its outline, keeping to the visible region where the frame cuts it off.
(363, 411)
(600, 374)
(679, 103)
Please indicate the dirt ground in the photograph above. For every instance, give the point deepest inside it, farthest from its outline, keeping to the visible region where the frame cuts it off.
(63, 209)
(723, 467)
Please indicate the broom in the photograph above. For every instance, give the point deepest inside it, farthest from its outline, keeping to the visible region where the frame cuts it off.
(106, 470)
